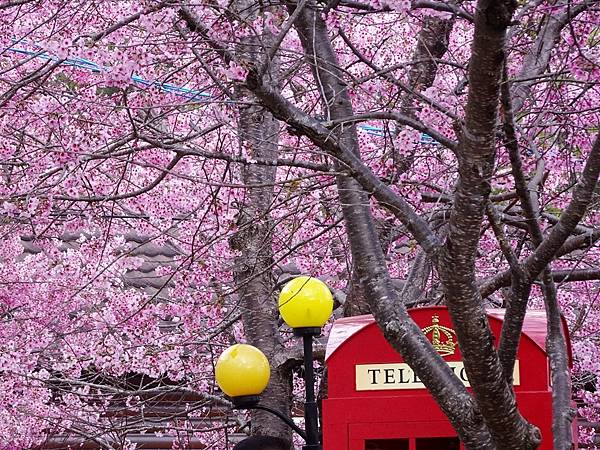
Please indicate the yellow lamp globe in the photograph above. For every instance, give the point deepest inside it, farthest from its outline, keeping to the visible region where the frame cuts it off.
(242, 370)
(305, 302)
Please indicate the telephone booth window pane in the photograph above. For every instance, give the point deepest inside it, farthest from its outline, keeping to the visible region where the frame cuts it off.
(445, 443)
(386, 444)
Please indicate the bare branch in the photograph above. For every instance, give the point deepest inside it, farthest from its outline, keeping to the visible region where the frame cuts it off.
(393, 80)
(12, 3)
(398, 117)
(507, 250)
(418, 4)
(144, 190)
(41, 73)
(127, 20)
(490, 285)
(287, 26)
(195, 25)
(538, 57)
(571, 216)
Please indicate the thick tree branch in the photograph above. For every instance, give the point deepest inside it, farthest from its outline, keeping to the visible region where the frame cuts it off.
(398, 117)
(418, 4)
(579, 242)
(536, 61)
(556, 346)
(569, 219)
(258, 134)
(521, 287)
(13, 3)
(572, 275)
(456, 266)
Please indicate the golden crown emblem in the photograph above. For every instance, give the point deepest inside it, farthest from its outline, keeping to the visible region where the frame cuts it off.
(444, 345)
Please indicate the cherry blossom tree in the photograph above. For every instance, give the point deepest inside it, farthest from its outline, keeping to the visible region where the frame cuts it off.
(168, 165)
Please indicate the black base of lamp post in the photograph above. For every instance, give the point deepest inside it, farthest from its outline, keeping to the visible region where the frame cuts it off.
(307, 331)
(245, 401)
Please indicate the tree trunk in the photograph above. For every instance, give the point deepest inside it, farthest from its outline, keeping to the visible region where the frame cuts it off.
(258, 134)
(476, 157)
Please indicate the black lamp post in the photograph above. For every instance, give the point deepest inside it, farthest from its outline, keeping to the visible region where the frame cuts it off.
(305, 304)
(311, 413)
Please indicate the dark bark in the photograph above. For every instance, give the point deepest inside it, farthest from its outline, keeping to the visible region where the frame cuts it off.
(438, 6)
(503, 279)
(416, 282)
(537, 59)
(556, 341)
(400, 119)
(253, 267)
(356, 302)
(521, 287)
(556, 347)
(562, 276)
(476, 156)
(535, 64)
(569, 219)
(328, 141)
(432, 44)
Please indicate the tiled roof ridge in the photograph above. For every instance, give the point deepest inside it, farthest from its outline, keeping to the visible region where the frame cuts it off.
(142, 246)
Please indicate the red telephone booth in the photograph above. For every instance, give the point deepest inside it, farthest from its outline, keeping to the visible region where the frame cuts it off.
(376, 402)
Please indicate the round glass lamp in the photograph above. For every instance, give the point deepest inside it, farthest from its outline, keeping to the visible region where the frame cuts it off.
(305, 303)
(242, 372)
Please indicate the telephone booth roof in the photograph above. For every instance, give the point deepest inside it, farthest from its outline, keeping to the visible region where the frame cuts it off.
(534, 328)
